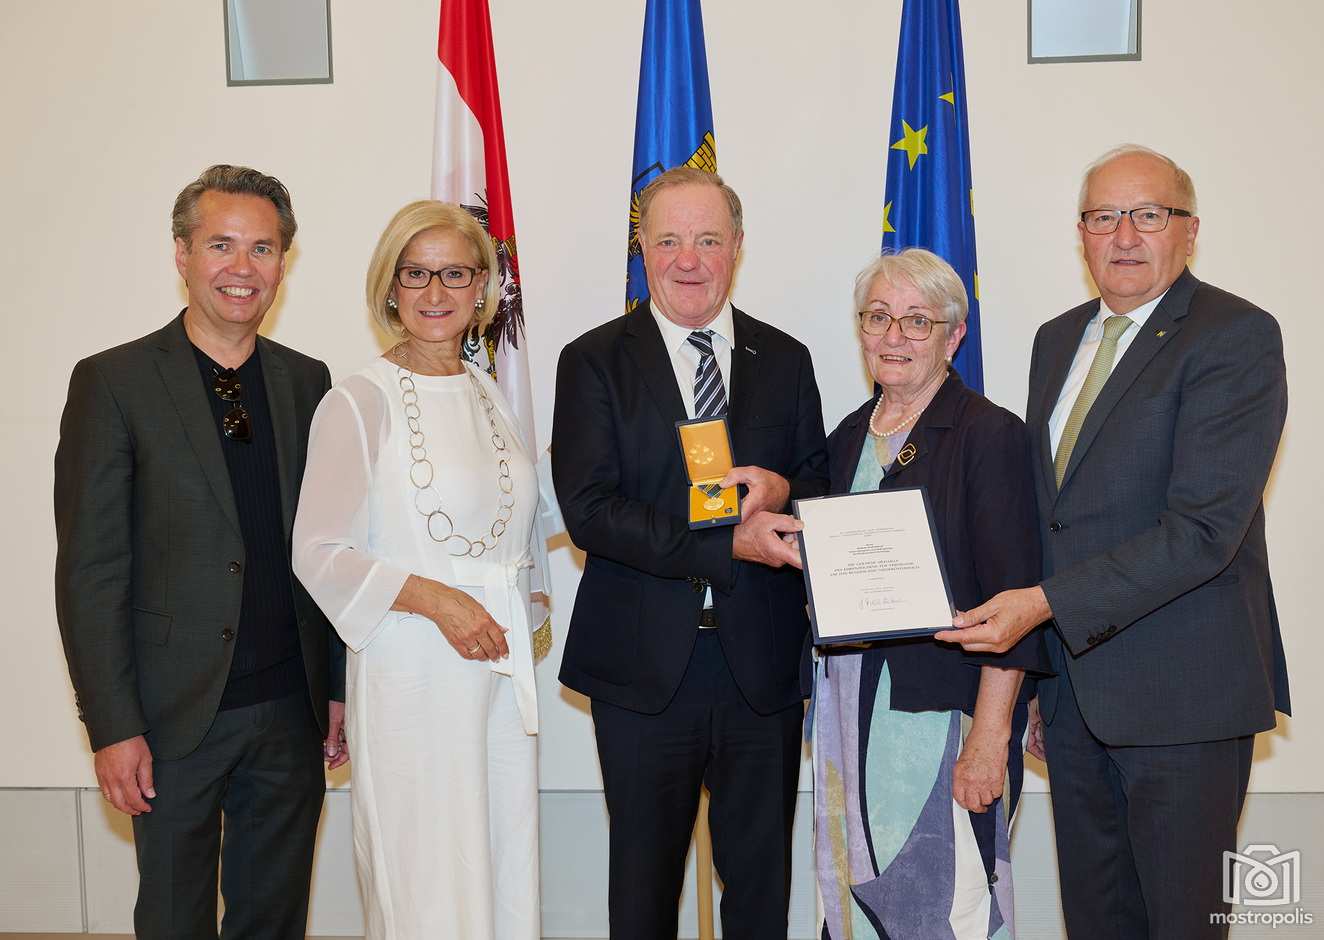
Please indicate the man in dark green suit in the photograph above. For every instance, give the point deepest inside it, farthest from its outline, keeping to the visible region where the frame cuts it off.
(201, 668)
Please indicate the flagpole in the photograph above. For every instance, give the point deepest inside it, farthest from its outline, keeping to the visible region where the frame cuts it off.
(703, 869)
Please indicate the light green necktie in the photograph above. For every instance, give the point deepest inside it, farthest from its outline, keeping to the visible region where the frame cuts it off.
(1100, 369)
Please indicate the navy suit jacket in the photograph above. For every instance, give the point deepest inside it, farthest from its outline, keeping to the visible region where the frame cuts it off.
(622, 487)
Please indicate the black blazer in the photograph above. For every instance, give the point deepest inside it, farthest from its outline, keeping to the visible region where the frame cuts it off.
(973, 459)
(1154, 554)
(622, 487)
(145, 592)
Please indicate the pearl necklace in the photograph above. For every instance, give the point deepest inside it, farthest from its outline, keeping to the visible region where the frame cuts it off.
(890, 431)
(881, 439)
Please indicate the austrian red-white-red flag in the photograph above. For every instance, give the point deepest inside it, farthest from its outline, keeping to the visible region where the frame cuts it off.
(469, 168)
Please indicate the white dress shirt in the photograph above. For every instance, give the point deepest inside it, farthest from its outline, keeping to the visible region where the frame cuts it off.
(685, 362)
(685, 356)
(1080, 366)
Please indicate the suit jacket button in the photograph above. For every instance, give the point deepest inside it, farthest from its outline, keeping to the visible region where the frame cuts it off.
(227, 634)
(235, 567)
(1055, 526)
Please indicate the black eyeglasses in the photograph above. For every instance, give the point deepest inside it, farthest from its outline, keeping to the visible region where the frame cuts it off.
(458, 276)
(235, 424)
(1147, 219)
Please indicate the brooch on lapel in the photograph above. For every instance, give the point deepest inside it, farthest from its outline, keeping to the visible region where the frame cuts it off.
(906, 455)
(1161, 333)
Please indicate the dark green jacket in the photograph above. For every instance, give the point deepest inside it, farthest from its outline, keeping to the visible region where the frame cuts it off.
(147, 591)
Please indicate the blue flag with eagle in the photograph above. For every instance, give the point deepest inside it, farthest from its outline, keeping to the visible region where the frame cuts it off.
(930, 199)
(673, 124)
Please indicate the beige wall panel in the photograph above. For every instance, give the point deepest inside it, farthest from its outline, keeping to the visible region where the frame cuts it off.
(110, 865)
(40, 885)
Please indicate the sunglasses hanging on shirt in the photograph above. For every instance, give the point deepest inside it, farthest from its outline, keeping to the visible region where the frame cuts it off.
(235, 424)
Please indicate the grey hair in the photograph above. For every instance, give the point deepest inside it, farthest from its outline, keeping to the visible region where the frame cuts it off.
(688, 175)
(934, 278)
(1182, 179)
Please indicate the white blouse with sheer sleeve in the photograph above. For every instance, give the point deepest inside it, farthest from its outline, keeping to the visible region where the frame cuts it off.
(358, 535)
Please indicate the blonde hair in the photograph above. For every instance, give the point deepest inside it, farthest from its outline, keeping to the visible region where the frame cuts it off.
(427, 215)
(1181, 179)
(937, 282)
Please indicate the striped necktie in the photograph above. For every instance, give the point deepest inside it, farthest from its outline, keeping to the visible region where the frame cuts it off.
(1100, 369)
(709, 395)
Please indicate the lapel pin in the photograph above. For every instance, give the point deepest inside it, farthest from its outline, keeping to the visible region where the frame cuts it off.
(752, 352)
(1161, 333)
(906, 455)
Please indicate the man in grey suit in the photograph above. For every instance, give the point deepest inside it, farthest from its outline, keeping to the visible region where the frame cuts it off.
(201, 668)
(1154, 415)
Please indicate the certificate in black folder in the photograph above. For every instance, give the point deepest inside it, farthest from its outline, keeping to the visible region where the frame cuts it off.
(872, 566)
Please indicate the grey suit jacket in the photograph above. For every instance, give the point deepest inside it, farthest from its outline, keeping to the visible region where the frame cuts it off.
(146, 592)
(1154, 552)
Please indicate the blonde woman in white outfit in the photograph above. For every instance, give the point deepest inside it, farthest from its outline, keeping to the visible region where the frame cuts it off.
(416, 536)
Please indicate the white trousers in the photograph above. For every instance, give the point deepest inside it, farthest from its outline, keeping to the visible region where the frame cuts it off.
(445, 793)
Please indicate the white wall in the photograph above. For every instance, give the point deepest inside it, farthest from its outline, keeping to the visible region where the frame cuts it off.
(109, 109)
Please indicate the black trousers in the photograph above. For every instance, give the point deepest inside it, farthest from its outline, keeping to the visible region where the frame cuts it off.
(1141, 831)
(260, 769)
(652, 769)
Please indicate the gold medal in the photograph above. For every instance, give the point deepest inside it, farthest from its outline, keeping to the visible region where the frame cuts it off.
(701, 454)
(713, 503)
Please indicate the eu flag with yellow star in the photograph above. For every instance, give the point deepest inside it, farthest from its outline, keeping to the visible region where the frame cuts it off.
(930, 202)
(673, 124)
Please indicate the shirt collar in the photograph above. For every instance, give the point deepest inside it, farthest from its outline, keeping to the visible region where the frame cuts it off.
(675, 336)
(1138, 316)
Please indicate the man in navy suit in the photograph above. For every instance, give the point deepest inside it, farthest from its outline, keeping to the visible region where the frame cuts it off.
(689, 642)
(1154, 415)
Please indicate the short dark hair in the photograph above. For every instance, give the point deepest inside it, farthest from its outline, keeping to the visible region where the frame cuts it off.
(238, 180)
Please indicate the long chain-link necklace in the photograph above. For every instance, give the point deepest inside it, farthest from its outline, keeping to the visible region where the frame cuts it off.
(427, 501)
